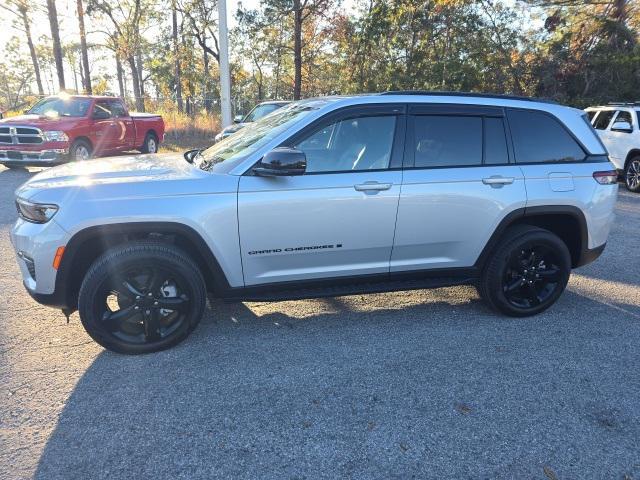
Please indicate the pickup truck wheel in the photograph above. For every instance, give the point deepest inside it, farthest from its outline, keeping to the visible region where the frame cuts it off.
(142, 297)
(150, 144)
(528, 271)
(632, 175)
(80, 151)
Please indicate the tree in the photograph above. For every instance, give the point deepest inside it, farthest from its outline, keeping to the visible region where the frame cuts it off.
(55, 38)
(83, 47)
(21, 9)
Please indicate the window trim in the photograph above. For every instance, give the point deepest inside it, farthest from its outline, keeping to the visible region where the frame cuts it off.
(369, 110)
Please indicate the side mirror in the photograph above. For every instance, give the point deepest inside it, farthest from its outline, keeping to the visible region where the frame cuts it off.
(622, 126)
(238, 118)
(281, 161)
(189, 155)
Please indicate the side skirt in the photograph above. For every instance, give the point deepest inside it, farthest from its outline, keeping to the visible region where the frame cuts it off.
(343, 286)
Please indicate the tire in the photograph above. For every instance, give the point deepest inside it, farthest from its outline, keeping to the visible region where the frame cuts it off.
(632, 175)
(141, 297)
(80, 151)
(150, 144)
(514, 282)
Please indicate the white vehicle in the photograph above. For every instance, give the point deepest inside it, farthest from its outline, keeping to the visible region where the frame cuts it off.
(618, 126)
(329, 196)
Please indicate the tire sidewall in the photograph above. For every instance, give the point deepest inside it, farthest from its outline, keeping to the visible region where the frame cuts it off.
(101, 270)
(147, 139)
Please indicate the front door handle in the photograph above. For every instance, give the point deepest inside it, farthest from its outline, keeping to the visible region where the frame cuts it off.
(372, 186)
(498, 181)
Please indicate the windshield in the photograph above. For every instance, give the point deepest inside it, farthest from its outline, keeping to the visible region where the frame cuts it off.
(254, 136)
(61, 107)
(260, 111)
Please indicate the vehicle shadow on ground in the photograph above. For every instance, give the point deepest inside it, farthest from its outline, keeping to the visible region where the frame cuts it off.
(370, 387)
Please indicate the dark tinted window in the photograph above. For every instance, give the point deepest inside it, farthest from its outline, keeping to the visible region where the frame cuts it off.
(495, 142)
(602, 120)
(102, 107)
(447, 141)
(539, 138)
(117, 108)
(591, 114)
(624, 117)
(362, 143)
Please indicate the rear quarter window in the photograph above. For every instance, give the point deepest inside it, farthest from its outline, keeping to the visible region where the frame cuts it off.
(540, 138)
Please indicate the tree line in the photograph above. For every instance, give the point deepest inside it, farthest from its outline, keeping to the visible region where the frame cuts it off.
(575, 52)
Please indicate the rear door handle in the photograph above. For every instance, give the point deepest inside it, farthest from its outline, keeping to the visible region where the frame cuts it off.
(497, 180)
(372, 186)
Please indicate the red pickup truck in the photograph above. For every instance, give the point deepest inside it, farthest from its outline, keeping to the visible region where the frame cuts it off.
(76, 127)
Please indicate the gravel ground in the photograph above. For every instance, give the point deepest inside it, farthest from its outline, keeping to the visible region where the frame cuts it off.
(425, 384)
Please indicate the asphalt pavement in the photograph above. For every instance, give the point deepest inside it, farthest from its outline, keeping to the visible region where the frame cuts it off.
(421, 384)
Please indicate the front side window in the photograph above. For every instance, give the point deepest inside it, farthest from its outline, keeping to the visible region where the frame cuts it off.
(355, 144)
(603, 119)
(540, 138)
(447, 141)
(117, 108)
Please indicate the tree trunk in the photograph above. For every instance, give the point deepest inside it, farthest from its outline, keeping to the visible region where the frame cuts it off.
(136, 83)
(55, 36)
(140, 74)
(83, 48)
(120, 74)
(32, 50)
(297, 49)
(177, 74)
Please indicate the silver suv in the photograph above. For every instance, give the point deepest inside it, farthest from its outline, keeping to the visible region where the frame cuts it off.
(329, 196)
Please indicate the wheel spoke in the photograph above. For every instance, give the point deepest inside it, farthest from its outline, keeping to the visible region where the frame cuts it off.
(152, 325)
(178, 304)
(550, 274)
(114, 320)
(154, 281)
(533, 295)
(131, 290)
(514, 285)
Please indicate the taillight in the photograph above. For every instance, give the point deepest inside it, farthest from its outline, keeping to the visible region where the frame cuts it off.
(606, 177)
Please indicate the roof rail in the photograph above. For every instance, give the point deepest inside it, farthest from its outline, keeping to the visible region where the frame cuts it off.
(625, 104)
(435, 93)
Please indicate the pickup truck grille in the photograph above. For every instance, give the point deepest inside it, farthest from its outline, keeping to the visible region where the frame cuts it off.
(10, 135)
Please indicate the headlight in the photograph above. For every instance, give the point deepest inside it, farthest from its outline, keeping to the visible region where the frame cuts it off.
(35, 212)
(55, 136)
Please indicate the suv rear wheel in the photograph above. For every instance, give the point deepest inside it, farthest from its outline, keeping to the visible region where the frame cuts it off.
(528, 271)
(141, 298)
(632, 175)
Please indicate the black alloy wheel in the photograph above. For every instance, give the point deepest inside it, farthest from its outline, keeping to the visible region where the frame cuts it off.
(142, 297)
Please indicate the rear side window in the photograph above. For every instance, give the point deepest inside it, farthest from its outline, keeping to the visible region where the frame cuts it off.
(603, 119)
(540, 138)
(447, 141)
(591, 114)
(117, 108)
(624, 116)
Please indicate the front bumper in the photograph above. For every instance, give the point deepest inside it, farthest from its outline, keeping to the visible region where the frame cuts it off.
(35, 246)
(31, 158)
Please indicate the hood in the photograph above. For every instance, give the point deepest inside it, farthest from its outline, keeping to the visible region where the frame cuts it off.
(233, 128)
(40, 121)
(136, 175)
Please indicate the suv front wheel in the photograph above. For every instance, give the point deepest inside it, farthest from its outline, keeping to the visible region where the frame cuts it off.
(528, 271)
(141, 297)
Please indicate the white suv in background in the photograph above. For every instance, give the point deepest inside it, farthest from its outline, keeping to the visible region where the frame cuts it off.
(617, 125)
